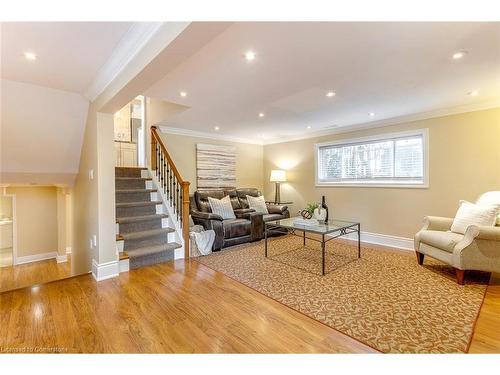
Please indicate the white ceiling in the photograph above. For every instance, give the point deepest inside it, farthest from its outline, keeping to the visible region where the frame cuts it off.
(392, 69)
(70, 54)
(45, 102)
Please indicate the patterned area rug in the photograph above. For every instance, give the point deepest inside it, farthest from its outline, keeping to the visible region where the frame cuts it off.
(385, 299)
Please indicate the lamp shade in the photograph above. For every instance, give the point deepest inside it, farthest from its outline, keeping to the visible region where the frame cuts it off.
(278, 175)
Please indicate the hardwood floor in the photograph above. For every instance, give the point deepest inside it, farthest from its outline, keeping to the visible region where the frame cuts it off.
(486, 338)
(177, 308)
(23, 275)
(166, 308)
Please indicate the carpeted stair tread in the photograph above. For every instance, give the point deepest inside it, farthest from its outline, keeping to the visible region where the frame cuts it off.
(145, 233)
(138, 204)
(124, 191)
(129, 171)
(150, 250)
(145, 241)
(136, 219)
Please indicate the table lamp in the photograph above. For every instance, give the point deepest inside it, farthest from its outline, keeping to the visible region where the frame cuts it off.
(277, 176)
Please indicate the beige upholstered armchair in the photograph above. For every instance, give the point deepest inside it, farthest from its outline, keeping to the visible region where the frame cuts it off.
(477, 249)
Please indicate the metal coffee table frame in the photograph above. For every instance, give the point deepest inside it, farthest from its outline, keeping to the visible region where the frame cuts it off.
(350, 227)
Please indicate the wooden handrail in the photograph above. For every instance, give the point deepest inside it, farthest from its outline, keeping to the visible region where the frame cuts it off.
(154, 133)
(172, 184)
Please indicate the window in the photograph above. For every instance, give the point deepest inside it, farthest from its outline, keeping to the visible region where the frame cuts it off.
(387, 160)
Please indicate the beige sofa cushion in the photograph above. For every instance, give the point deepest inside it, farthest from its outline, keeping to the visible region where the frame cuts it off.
(442, 240)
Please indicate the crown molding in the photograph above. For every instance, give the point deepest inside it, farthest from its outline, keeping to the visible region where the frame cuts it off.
(343, 129)
(130, 44)
(198, 134)
(391, 121)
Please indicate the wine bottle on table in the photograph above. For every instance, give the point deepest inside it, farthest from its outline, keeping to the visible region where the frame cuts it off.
(325, 207)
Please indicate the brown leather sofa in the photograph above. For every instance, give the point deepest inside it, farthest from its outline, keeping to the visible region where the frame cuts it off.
(248, 225)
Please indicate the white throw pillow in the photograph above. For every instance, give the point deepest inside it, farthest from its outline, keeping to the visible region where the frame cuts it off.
(258, 204)
(473, 214)
(488, 199)
(222, 207)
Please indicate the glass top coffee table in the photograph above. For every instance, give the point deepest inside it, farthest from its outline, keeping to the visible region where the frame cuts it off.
(331, 229)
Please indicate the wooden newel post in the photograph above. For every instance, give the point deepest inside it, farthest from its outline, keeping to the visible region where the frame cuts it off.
(185, 217)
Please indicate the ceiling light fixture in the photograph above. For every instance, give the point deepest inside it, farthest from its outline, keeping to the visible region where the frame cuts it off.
(216, 128)
(183, 94)
(473, 93)
(261, 114)
(31, 56)
(371, 114)
(250, 55)
(458, 55)
(330, 94)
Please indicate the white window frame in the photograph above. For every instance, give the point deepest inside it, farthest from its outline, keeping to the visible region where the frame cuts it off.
(424, 133)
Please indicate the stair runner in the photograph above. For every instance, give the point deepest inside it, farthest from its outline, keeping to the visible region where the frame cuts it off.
(145, 241)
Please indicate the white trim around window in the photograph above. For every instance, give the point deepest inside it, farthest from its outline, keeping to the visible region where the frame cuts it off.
(388, 182)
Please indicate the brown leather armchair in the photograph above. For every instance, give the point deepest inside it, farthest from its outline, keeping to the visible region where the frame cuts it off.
(248, 225)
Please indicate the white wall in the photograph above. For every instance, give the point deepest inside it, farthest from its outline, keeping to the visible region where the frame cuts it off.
(41, 133)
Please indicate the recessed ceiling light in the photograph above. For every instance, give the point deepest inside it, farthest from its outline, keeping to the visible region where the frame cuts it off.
(308, 126)
(183, 94)
(31, 56)
(250, 55)
(458, 55)
(330, 94)
(216, 128)
(261, 114)
(473, 93)
(371, 114)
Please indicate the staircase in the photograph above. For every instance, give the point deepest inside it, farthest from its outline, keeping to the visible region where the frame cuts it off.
(144, 236)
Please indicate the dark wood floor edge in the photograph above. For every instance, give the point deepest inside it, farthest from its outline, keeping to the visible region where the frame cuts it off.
(45, 283)
(288, 307)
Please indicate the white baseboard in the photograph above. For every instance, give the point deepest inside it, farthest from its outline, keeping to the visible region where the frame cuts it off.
(35, 257)
(62, 258)
(400, 243)
(68, 250)
(103, 271)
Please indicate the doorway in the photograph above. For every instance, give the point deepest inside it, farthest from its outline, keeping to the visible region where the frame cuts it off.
(129, 134)
(7, 256)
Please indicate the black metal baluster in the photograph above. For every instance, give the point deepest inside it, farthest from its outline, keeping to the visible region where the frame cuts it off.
(178, 202)
(163, 173)
(174, 201)
(171, 186)
(166, 181)
(157, 161)
(164, 170)
(182, 208)
(160, 178)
